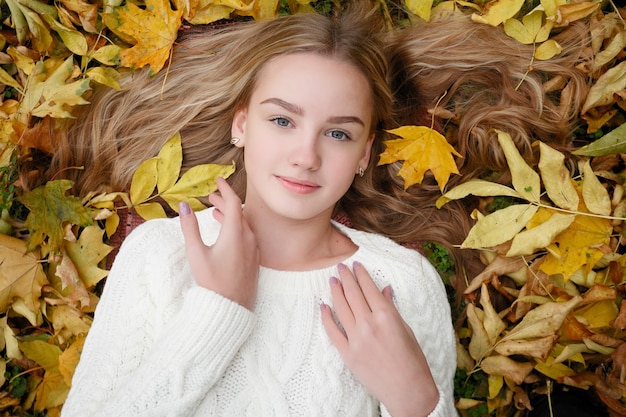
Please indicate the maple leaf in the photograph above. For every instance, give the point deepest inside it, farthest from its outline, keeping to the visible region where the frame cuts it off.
(422, 149)
(52, 390)
(49, 209)
(153, 31)
(87, 252)
(576, 246)
(21, 275)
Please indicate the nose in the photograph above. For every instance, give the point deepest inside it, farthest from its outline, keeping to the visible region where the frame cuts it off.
(305, 153)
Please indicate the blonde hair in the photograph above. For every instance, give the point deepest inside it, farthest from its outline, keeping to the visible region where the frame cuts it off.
(212, 74)
(473, 71)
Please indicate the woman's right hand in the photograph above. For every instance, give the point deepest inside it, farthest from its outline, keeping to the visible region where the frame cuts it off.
(230, 266)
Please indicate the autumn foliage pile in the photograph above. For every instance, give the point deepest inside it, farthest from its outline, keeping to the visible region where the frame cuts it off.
(547, 311)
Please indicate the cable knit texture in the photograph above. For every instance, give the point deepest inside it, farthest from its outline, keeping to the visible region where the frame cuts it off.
(160, 345)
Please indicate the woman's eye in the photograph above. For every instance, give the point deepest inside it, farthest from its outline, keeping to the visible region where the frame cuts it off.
(339, 135)
(281, 121)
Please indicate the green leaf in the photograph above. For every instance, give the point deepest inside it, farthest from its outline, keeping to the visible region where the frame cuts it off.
(49, 209)
(613, 142)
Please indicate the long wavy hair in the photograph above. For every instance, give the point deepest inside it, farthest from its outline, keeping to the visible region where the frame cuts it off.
(479, 76)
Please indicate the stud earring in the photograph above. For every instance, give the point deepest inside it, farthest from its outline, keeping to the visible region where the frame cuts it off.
(234, 140)
(361, 171)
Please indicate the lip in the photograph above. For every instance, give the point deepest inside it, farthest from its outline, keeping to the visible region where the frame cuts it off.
(297, 185)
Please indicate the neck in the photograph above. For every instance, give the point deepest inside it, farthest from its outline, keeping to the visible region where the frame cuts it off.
(289, 244)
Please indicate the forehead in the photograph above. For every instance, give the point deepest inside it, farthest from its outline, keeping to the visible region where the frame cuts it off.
(309, 79)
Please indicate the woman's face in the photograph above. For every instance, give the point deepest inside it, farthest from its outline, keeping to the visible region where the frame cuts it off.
(305, 132)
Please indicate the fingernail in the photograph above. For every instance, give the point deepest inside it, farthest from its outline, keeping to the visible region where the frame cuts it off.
(341, 267)
(356, 264)
(322, 306)
(391, 293)
(183, 208)
(333, 281)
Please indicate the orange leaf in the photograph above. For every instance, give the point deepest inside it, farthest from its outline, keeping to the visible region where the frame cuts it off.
(422, 149)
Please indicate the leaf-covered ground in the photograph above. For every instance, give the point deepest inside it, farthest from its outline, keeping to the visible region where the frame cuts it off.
(547, 314)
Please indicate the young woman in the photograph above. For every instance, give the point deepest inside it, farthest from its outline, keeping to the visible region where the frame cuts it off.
(268, 308)
(271, 308)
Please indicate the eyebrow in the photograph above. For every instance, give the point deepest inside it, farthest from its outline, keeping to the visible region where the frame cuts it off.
(293, 108)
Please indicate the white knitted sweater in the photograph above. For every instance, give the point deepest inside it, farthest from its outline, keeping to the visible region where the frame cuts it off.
(160, 345)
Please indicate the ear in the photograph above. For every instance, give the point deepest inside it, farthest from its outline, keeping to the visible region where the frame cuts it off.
(365, 160)
(238, 127)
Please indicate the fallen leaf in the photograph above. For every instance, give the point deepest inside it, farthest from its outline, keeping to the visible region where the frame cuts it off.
(422, 149)
(542, 321)
(596, 197)
(537, 348)
(601, 93)
(479, 344)
(613, 142)
(540, 236)
(479, 188)
(499, 226)
(525, 180)
(87, 252)
(21, 274)
(576, 247)
(49, 209)
(507, 367)
(496, 12)
(556, 178)
(421, 8)
(153, 29)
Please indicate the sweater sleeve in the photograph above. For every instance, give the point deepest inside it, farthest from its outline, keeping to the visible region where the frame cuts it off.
(421, 299)
(135, 364)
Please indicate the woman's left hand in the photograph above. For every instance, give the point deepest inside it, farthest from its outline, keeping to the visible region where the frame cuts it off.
(378, 346)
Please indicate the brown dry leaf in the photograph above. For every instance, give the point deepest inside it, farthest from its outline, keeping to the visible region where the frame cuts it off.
(492, 322)
(39, 137)
(21, 274)
(507, 367)
(544, 320)
(72, 286)
(619, 322)
(498, 266)
(537, 348)
(479, 345)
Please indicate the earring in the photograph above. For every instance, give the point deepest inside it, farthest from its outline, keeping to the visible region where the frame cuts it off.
(234, 140)
(361, 171)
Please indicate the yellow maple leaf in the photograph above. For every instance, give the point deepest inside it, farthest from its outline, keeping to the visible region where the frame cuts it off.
(576, 246)
(153, 31)
(422, 149)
